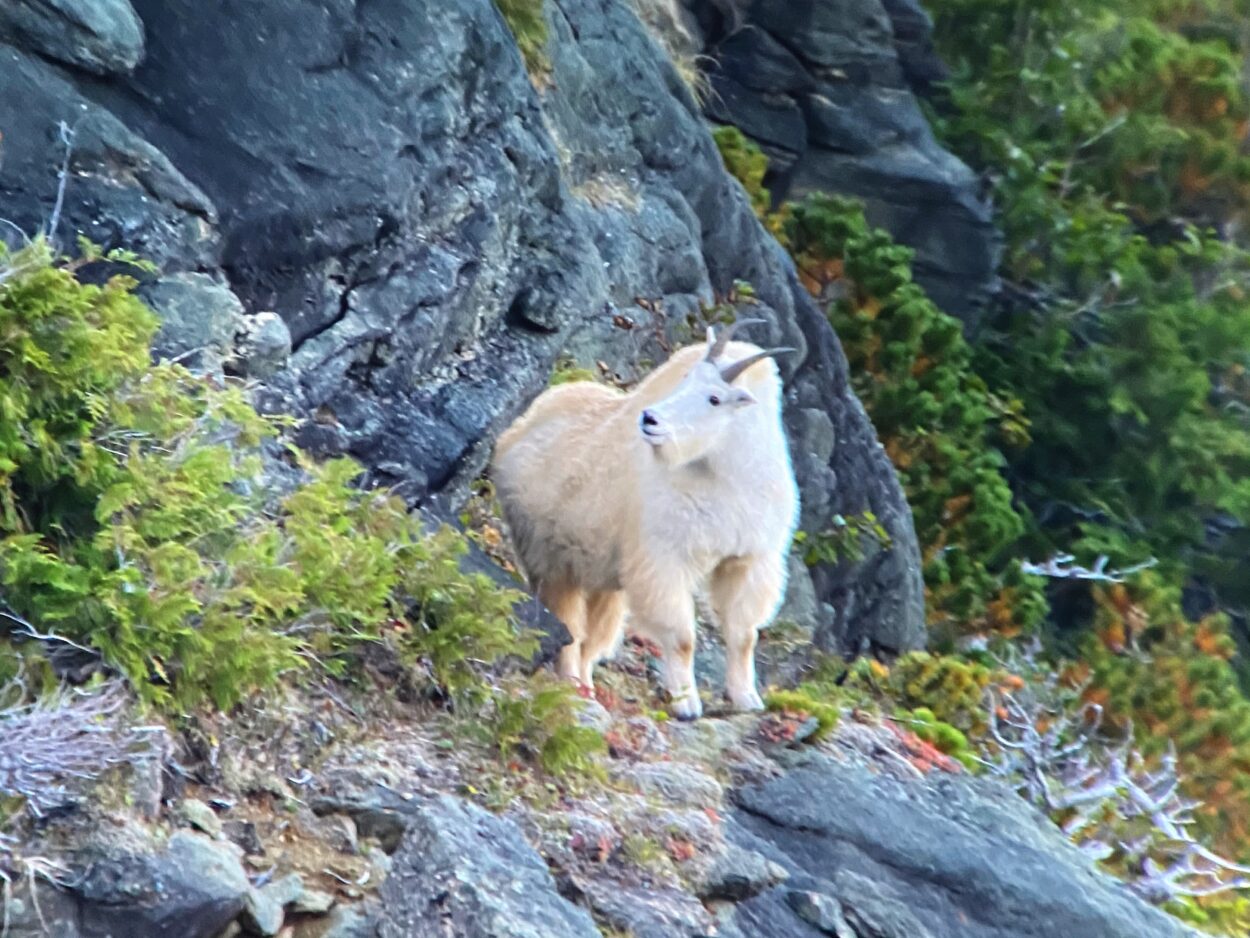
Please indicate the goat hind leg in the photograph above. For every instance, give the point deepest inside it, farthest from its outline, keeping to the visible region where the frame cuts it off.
(745, 592)
(568, 604)
(605, 612)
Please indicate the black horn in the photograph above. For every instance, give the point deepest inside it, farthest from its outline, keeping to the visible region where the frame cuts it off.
(731, 371)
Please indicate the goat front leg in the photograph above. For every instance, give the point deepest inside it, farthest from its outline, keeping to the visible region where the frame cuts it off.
(662, 608)
(745, 592)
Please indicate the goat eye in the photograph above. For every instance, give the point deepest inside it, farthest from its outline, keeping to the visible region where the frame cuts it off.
(714, 400)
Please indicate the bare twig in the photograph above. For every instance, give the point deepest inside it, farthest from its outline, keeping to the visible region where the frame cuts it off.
(1060, 567)
(62, 182)
(27, 630)
(1105, 795)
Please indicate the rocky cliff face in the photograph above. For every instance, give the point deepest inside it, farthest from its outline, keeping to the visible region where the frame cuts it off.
(369, 208)
(430, 230)
(826, 89)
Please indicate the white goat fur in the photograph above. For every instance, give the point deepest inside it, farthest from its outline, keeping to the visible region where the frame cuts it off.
(605, 516)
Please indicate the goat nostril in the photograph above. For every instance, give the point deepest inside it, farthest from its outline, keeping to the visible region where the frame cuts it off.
(648, 419)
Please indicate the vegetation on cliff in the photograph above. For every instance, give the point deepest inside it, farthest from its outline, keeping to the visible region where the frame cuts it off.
(154, 526)
(1101, 409)
(1115, 135)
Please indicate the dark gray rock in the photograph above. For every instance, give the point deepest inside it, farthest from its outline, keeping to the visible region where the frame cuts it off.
(433, 236)
(852, 36)
(773, 120)
(464, 872)
(761, 63)
(199, 317)
(878, 909)
(122, 192)
(197, 814)
(263, 346)
(826, 88)
(100, 36)
(313, 902)
(675, 783)
(913, 38)
(737, 874)
(822, 912)
(358, 921)
(377, 809)
(800, 605)
(192, 889)
(648, 912)
(264, 909)
(938, 858)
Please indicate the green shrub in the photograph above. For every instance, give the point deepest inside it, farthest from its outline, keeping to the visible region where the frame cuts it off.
(941, 424)
(459, 621)
(64, 349)
(137, 520)
(1115, 135)
(747, 163)
(948, 688)
(943, 428)
(1115, 132)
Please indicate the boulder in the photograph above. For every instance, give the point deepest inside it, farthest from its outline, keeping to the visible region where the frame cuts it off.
(101, 36)
(462, 871)
(193, 888)
(826, 88)
(936, 857)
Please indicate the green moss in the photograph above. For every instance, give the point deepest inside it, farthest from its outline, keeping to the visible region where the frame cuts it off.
(747, 163)
(940, 735)
(806, 702)
(567, 371)
(529, 27)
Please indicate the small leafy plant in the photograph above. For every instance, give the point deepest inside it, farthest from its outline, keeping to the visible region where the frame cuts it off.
(540, 718)
(848, 538)
(806, 703)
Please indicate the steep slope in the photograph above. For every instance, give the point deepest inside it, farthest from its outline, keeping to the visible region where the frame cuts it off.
(432, 230)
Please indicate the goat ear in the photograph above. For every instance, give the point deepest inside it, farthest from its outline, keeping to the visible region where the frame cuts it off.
(741, 397)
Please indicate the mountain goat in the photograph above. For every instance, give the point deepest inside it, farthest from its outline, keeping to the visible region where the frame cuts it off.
(637, 500)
